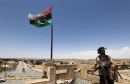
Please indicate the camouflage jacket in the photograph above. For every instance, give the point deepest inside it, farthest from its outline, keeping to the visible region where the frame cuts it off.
(104, 64)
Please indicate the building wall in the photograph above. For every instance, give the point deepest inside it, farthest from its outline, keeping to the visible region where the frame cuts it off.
(71, 74)
(51, 74)
(70, 71)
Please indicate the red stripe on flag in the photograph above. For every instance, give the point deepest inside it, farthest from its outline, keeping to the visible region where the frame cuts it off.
(46, 12)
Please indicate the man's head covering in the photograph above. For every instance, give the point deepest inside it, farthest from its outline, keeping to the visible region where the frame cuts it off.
(100, 48)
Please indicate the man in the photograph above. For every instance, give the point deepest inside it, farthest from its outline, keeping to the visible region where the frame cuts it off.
(103, 64)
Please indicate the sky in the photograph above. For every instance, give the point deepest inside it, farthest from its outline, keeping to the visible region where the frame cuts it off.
(80, 27)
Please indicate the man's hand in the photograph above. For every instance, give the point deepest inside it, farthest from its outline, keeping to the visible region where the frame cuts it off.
(114, 67)
(94, 69)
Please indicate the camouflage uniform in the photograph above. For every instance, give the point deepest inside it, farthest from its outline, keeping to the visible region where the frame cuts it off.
(103, 63)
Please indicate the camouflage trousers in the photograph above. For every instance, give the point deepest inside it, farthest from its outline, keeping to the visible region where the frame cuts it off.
(104, 79)
(108, 77)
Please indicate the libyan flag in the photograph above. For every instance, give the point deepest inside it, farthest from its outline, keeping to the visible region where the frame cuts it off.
(42, 19)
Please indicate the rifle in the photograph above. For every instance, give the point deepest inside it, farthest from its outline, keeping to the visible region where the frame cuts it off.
(114, 68)
(119, 74)
(104, 72)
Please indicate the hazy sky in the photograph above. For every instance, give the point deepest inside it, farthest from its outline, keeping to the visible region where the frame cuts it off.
(80, 27)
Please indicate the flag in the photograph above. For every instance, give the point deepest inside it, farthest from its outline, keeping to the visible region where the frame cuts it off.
(41, 20)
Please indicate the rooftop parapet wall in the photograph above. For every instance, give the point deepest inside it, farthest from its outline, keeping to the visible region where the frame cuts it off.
(51, 73)
(70, 71)
(65, 66)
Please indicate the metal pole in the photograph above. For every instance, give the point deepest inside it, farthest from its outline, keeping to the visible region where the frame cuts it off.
(51, 42)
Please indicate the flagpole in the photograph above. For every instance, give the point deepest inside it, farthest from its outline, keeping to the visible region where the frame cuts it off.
(51, 57)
